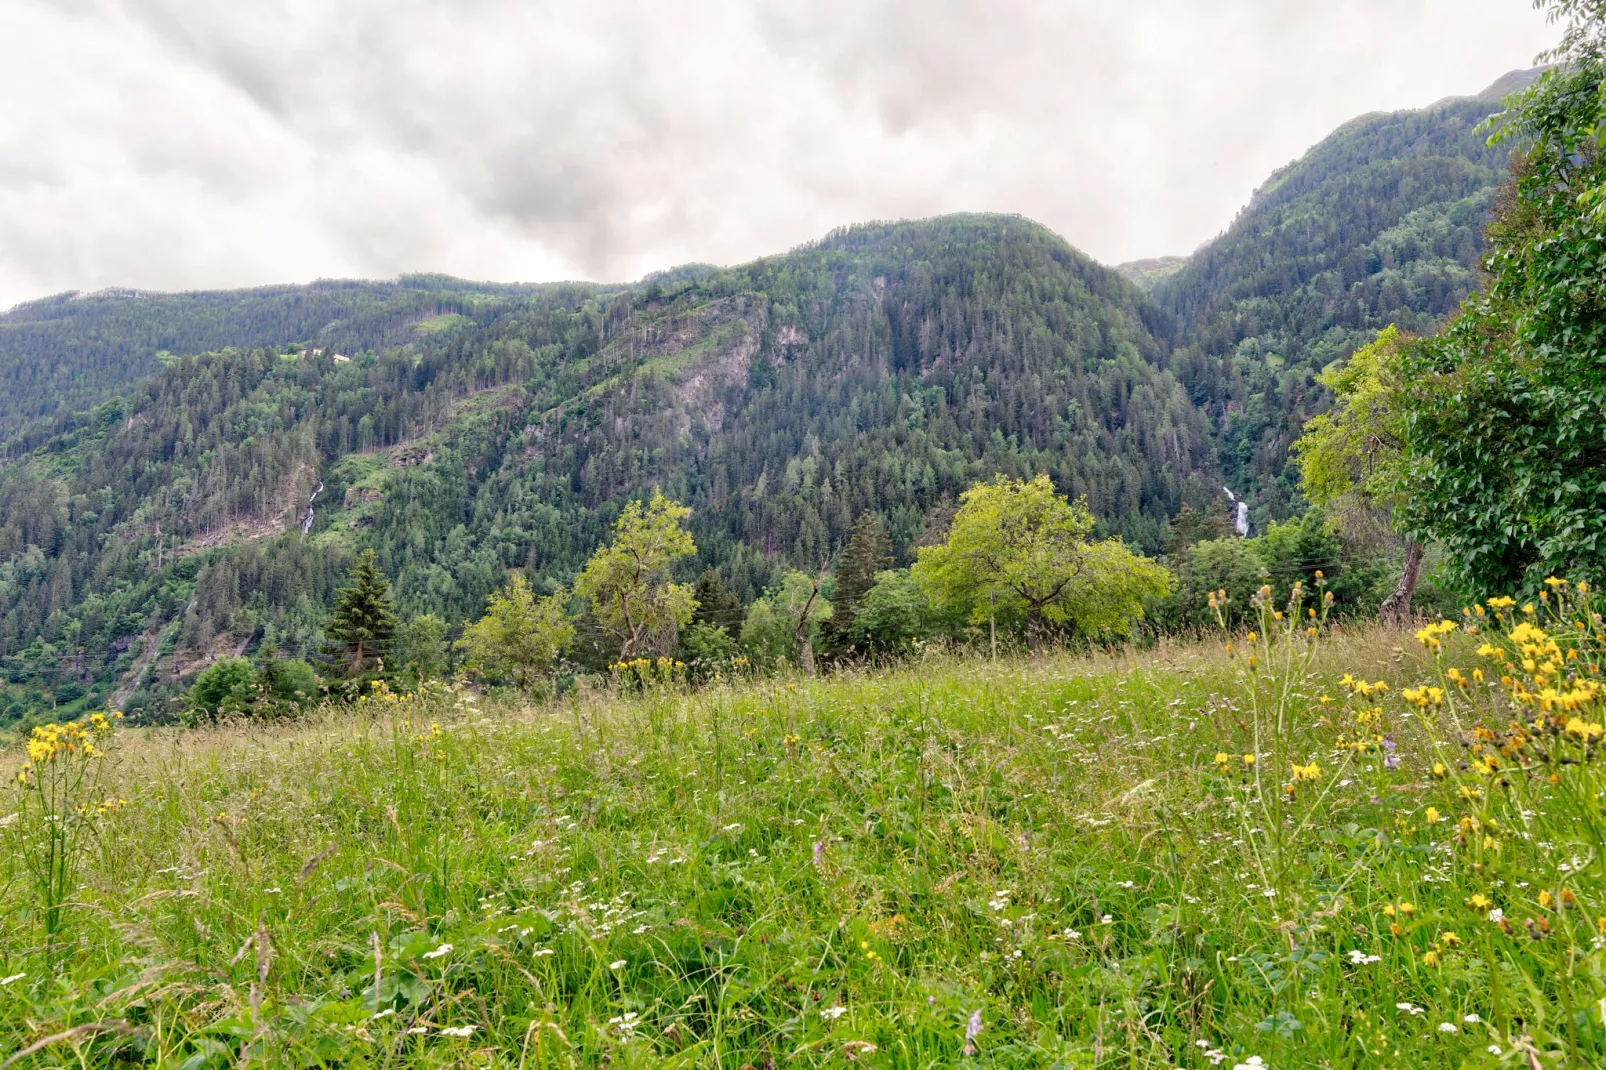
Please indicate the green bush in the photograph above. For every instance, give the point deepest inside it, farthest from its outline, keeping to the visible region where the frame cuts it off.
(228, 687)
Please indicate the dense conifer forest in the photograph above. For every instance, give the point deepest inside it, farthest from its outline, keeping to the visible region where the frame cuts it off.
(191, 476)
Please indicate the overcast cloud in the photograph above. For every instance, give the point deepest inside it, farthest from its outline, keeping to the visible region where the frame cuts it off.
(177, 144)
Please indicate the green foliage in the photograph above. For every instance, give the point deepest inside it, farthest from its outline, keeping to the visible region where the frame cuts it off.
(420, 650)
(234, 687)
(717, 607)
(288, 684)
(787, 615)
(1207, 568)
(364, 621)
(1354, 450)
(520, 637)
(1506, 425)
(707, 648)
(627, 585)
(228, 688)
(867, 554)
(1018, 552)
(895, 614)
(1379, 224)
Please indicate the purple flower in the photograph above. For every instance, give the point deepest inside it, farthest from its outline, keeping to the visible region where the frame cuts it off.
(1391, 760)
(819, 853)
(972, 1030)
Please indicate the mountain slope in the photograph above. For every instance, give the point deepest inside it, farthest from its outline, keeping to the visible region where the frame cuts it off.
(1380, 223)
(74, 350)
(882, 369)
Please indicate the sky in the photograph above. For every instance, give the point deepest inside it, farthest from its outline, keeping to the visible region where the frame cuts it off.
(188, 144)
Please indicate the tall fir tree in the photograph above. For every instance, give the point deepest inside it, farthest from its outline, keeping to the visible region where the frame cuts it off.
(364, 620)
(717, 607)
(869, 551)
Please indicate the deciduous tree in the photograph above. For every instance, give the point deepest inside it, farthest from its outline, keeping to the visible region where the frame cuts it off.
(627, 583)
(520, 637)
(1018, 551)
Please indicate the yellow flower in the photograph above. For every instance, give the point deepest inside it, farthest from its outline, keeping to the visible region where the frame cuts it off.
(1252, 637)
(1407, 909)
(1249, 759)
(1311, 772)
(1545, 899)
(1430, 959)
(1222, 758)
(1480, 902)
(1433, 815)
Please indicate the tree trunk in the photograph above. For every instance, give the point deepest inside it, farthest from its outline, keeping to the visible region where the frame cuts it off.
(1396, 607)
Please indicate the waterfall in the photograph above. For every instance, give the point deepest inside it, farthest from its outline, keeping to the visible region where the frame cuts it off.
(1240, 516)
(310, 511)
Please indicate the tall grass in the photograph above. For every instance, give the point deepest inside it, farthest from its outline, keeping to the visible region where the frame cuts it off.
(1041, 861)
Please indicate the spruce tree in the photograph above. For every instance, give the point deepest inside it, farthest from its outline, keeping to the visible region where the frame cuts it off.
(364, 620)
(868, 552)
(717, 607)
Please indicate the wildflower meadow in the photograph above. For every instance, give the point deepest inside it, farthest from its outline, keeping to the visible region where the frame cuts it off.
(1289, 845)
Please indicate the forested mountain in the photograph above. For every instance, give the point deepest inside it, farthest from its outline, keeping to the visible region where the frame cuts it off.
(203, 468)
(75, 350)
(1379, 224)
(883, 369)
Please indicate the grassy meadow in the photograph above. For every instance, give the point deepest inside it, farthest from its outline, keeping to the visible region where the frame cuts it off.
(1187, 856)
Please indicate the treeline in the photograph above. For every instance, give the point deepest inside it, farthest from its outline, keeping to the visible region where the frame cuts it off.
(882, 371)
(72, 351)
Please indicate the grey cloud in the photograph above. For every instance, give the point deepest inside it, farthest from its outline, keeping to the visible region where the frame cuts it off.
(184, 143)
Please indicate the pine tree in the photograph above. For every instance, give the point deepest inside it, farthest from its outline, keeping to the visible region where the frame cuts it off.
(868, 552)
(365, 614)
(1187, 528)
(717, 607)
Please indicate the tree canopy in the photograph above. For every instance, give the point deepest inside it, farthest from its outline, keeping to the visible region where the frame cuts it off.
(1018, 551)
(1506, 422)
(520, 636)
(627, 584)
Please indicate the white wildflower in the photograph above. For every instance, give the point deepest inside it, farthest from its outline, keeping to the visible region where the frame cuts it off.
(439, 952)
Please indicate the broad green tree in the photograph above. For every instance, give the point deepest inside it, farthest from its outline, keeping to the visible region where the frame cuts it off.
(1019, 552)
(786, 622)
(1505, 430)
(364, 620)
(520, 637)
(894, 614)
(627, 583)
(1352, 457)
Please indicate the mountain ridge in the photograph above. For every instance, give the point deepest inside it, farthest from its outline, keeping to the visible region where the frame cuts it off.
(463, 429)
